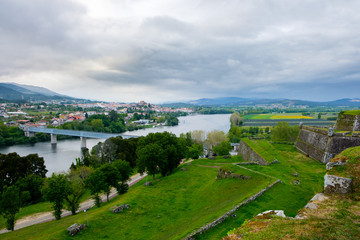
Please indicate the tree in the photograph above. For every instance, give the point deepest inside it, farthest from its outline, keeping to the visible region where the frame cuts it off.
(149, 159)
(223, 148)
(57, 188)
(31, 184)
(215, 137)
(76, 180)
(198, 136)
(194, 151)
(125, 171)
(96, 184)
(13, 167)
(10, 205)
(236, 119)
(284, 132)
(112, 177)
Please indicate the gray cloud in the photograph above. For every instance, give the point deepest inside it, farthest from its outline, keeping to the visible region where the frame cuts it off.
(183, 49)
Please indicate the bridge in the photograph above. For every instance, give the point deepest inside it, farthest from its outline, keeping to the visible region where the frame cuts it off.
(31, 131)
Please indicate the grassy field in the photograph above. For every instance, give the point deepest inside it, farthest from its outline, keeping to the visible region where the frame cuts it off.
(171, 208)
(288, 196)
(276, 116)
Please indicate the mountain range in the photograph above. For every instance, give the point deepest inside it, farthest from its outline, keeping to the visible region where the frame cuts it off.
(18, 92)
(236, 101)
(21, 92)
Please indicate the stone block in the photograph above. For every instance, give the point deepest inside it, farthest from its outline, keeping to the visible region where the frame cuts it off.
(336, 184)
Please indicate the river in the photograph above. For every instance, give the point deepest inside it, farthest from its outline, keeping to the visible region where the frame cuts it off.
(59, 157)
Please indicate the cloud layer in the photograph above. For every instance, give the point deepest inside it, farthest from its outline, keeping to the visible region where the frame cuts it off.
(159, 50)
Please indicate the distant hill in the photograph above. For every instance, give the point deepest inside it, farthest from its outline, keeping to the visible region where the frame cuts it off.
(235, 101)
(16, 92)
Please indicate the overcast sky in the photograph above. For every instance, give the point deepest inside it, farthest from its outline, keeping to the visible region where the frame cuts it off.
(177, 50)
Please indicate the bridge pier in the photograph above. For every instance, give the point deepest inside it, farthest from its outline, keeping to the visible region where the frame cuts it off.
(29, 134)
(53, 139)
(83, 142)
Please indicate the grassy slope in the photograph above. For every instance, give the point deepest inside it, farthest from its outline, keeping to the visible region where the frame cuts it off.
(169, 209)
(264, 148)
(287, 197)
(335, 219)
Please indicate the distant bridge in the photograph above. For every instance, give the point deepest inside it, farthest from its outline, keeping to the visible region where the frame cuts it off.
(31, 131)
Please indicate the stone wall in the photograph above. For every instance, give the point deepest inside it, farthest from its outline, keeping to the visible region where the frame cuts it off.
(347, 122)
(248, 154)
(312, 142)
(227, 214)
(322, 147)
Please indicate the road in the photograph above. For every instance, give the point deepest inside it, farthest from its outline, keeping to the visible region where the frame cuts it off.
(48, 216)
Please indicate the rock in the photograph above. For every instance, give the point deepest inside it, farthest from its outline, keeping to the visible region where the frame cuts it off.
(183, 169)
(121, 208)
(330, 165)
(311, 206)
(275, 161)
(319, 197)
(223, 174)
(296, 182)
(330, 131)
(212, 158)
(270, 213)
(148, 183)
(336, 184)
(75, 228)
(226, 156)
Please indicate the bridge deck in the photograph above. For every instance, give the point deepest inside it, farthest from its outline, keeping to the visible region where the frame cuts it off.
(74, 133)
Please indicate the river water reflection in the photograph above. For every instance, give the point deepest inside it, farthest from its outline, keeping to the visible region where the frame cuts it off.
(59, 158)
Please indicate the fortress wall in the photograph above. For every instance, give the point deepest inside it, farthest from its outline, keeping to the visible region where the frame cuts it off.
(337, 144)
(248, 154)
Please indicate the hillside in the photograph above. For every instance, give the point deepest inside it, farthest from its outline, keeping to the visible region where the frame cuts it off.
(170, 208)
(16, 92)
(336, 217)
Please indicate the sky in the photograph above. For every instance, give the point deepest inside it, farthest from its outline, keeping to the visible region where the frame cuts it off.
(168, 51)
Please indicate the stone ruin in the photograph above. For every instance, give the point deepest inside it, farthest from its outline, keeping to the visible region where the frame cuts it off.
(75, 229)
(223, 174)
(323, 144)
(121, 208)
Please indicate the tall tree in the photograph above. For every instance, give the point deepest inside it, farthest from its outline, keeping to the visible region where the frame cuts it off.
(10, 204)
(124, 170)
(76, 180)
(236, 119)
(96, 183)
(149, 159)
(57, 188)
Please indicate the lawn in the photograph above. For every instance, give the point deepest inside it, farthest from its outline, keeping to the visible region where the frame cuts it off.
(170, 208)
(287, 196)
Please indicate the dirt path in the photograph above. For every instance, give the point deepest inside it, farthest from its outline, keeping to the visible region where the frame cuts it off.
(48, 216)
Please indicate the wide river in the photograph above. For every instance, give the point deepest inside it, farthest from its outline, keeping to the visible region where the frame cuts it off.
(59, 158)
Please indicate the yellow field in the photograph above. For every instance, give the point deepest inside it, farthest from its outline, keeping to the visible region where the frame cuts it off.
(291, 117)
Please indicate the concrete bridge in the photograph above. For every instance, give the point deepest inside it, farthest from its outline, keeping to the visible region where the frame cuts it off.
(31, 131)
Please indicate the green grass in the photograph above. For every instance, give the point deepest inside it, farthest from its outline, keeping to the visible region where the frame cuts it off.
(29, 210)
(352, 112)
(171, 208)
(335, 219)
(264, 148)
(286, 196)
